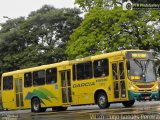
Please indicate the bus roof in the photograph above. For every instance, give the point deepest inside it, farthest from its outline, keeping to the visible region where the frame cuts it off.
(101, 56)
(36, 68)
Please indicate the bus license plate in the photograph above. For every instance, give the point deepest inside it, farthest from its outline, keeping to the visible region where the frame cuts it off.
(146, 98)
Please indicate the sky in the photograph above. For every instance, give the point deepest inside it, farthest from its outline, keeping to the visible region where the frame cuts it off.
(16, 8)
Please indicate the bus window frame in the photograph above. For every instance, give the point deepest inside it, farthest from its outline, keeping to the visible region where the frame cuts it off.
(84, 70)
(30, 81)
(105, 73)
(9, 84)
(52, 76)
(38, 80)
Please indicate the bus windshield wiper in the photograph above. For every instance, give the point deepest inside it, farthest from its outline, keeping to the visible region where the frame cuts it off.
(143, 67)
(139, 64)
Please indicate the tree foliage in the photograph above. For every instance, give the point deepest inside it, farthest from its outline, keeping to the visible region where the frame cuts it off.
(40, 38)
(110, 30)
(88, 5)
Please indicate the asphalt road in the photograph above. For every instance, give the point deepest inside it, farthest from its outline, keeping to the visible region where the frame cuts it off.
(149, 110)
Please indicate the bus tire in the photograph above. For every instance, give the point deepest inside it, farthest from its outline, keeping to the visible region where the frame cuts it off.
(128, 103)
(102, 100)
(35, 105)
(43, 109)
(59, 108)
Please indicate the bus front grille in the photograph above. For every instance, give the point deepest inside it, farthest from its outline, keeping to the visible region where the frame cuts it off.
(145, 86)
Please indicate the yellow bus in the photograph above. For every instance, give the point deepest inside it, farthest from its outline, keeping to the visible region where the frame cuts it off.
(117, 77)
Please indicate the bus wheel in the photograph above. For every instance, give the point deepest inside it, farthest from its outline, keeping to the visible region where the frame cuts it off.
(102, 100)
(35, 105)
(59, 108)
(128, 103)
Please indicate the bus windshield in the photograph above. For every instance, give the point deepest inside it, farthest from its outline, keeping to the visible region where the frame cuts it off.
(141, 70)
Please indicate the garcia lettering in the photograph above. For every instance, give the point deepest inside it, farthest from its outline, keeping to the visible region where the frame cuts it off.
(83, 84)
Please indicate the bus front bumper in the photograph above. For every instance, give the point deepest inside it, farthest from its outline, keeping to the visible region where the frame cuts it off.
(141, 96)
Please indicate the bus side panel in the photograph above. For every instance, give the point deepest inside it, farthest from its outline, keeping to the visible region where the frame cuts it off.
(85, 90)
(108, 87)
(105, 84)
(48, 95)
(8, 99)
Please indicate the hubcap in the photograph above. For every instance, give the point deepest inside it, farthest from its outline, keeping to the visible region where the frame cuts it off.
(102, 100)
(36, 105)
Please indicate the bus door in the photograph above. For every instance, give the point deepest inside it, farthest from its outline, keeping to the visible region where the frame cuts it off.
(119, 81)
(19, 92)
(66, 86)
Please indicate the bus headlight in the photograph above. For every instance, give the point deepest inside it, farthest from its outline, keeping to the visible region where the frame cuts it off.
(157, 87)
(132, 88)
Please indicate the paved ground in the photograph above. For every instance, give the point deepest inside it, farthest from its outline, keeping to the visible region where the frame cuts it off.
(140, 111)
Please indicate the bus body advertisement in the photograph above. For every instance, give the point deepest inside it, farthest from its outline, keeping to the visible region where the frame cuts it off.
(117, 77)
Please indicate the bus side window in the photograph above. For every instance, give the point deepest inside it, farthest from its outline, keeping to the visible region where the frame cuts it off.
(101, 68)
(39, 77)
(114, 69)
(80, 71)
(121, 70)
(28, 79)
(84, 71)
(51, 75)
(8, 83)
(88, 70)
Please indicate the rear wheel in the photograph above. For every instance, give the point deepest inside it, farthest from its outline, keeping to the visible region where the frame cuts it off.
(102, 100)
(128, 103)
(60, 108)
(35, 105)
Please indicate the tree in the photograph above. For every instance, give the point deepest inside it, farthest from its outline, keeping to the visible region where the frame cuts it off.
(50, 28)
(11, 43)
(88, 5)
(39, 39)
(110, 30)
